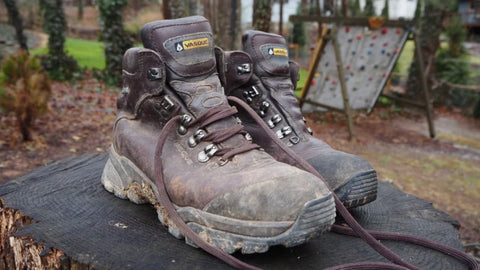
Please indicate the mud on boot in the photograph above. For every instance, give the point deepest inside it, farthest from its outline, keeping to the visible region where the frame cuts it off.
(263, 78)
(231, 193)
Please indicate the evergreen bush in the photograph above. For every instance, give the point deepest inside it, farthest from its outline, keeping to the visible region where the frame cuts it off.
(60, 66)
(116, 39)
(24, 90)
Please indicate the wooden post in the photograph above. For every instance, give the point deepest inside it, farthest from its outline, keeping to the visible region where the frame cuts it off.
(314, 64)
(424, 87)
(341, 79)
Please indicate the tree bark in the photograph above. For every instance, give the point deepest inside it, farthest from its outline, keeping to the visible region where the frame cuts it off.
(80, 9)
(262, 13)
(429, 37)
(167, 14)
(22, 252)
(16, 21)
(177, 9)
(225, 19)
(280, 23)
(71, 212)
(234, 23)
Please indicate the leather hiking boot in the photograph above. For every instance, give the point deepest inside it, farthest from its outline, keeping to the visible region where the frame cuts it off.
(265, 79)
(173, 110)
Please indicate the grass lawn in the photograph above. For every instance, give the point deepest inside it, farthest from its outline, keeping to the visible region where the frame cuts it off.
(89, 54)
(405, 58)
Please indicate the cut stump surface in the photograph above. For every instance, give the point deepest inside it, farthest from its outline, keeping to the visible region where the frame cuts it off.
(72, 220)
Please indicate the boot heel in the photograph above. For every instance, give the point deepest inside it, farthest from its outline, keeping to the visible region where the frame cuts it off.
(117, 178)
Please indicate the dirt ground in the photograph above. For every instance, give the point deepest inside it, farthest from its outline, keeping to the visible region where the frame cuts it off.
(444, 170)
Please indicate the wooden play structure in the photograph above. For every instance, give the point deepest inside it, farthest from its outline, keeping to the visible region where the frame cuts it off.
(352, 63)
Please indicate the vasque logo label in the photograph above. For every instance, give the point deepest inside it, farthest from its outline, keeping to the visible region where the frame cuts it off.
(277, 51)
(191, 44)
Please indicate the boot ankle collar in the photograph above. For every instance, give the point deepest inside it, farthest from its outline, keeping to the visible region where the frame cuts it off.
(186, 45)
(268, 51)
(235, 69)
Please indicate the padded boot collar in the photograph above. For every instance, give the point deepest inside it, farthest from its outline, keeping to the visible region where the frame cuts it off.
(268, 51)
(143, 77)
(235, 68)
(186, 44)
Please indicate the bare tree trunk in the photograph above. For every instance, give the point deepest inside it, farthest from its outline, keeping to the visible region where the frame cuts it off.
(16, 21)
(177, 9)
(167, 14)
(280, 24)
(80, 9)
(429, 37)
(262, 13)
(225, 19)
(345, 8)
(234, 23)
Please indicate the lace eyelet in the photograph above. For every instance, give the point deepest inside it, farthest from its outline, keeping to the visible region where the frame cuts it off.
(222, 162)
(196, 137)
(184, 123)
(207, 153)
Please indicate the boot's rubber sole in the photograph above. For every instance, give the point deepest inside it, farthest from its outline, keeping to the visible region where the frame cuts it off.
(360, 189)
(122, 178)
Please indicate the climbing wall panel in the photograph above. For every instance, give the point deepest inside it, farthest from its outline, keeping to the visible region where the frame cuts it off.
(368, 58)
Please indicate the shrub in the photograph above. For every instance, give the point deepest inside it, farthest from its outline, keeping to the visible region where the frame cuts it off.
(117, 41)
(24, 90)
(455, 69)
(60, 66)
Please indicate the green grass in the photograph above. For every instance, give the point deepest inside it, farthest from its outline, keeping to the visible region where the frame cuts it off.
(405, 58)
(89, 54)
(303, 77)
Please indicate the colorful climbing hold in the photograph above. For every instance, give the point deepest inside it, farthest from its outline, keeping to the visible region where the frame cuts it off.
(348, 66)
(383, 51)
(399, 31)
(374, 36)
(334, 82)
(384, 74)
(347, 29)
(369, 52)
(327, 79)
(395, 51)
(350, 39)
(354, 52)
(385, 44)
(384, 31)
(359, 36)
(313, 83)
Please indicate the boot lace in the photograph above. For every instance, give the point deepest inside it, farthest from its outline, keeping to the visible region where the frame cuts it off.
(354, 228)
(217, 136)
(221, 135)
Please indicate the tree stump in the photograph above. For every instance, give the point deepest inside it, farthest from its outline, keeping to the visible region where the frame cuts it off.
(59, 216)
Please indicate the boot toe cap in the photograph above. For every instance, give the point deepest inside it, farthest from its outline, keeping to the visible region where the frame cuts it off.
(275, 199)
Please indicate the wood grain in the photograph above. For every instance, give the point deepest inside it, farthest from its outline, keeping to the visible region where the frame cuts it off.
(60, 215)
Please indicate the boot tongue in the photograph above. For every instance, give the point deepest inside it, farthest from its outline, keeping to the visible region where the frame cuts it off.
(186, 45)
(268, 51)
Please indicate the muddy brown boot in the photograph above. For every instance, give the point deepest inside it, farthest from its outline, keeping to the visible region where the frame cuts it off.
(230, 193)
(267, 85)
